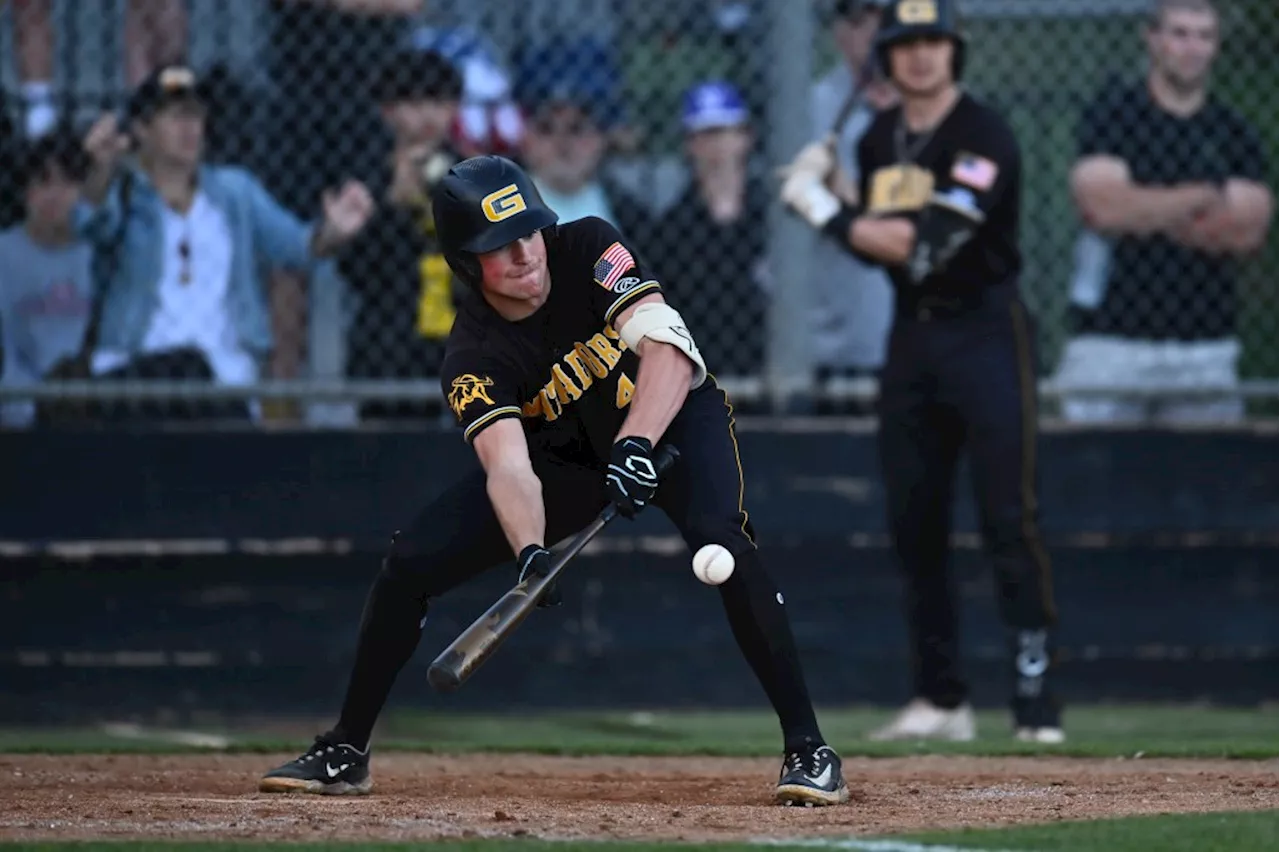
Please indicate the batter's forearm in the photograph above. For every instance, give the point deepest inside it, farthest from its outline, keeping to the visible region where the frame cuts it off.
(662, 384)
(516, 495)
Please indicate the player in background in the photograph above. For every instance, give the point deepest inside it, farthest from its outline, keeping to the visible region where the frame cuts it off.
(938, 208)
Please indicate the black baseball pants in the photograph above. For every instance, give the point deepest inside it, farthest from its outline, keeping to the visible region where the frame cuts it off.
(951, 382)
(458, 536)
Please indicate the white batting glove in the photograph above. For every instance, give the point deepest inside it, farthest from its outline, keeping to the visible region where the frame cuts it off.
(808, 196)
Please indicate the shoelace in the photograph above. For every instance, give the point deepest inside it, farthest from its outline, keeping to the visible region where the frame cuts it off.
(795, 762)
(320, 747)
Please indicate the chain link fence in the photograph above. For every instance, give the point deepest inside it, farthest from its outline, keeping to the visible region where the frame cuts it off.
(667, 117)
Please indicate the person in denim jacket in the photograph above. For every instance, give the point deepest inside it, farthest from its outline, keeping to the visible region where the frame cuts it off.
(182, 246)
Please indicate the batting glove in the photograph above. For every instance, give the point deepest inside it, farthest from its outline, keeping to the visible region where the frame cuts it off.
(536, 560)
(632, 477)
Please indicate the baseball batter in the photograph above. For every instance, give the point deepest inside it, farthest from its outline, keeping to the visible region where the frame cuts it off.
(565, 368)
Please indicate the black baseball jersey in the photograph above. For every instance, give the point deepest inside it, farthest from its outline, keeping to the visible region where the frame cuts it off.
(564, 371)
(973, 158)
(1158, 289)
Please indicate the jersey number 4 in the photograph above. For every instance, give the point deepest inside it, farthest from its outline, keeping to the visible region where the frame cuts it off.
(626, 388)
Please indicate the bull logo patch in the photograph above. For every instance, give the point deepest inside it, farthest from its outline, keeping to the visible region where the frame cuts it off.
(466, 389)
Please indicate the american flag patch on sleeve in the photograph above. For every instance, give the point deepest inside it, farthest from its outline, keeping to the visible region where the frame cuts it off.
(612, 264)
(977, 172)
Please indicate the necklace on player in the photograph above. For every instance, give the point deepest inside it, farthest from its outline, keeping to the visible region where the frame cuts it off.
(906, 152)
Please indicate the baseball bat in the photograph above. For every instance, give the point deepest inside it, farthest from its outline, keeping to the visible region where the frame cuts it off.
(850, 103)
(477, 643)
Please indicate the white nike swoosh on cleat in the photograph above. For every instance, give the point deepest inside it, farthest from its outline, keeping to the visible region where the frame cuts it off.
(823, 779)
(333, 772)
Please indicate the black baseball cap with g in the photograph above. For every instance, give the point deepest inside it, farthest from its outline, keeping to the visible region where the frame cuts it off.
(167, 84)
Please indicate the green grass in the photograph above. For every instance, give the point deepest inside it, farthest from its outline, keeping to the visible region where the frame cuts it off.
(1096, 731)
(1224, 832)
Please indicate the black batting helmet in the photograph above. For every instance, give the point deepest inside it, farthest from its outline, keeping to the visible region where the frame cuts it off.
(481, 204)
(904, 20)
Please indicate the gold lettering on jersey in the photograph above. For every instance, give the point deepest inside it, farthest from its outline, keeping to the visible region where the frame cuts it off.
(466, 389)
(918, 12)
(574, 360)
(602, 346)
(899, 189)
(587, 362)
(545, 403)
(565, 387)
(582, 353)
(503, 203)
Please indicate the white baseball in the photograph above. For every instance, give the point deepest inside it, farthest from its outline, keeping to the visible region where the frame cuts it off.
(712, 564)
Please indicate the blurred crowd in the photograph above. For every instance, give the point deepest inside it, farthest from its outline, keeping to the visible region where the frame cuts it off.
(176, 229)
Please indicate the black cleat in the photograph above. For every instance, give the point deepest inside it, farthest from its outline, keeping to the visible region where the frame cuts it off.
(812, 777)
(328, 768)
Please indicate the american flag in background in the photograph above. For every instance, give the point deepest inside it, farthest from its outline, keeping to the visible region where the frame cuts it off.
(609, 268)
(977, 172)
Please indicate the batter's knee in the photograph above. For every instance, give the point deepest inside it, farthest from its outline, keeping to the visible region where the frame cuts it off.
(406, 567)
(734, 534)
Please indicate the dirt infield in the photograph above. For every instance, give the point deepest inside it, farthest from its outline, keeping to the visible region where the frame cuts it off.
(429, 797)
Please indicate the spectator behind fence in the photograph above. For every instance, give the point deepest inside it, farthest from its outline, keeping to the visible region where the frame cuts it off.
(1175, 179)
(852, 300)
(155, 34)
(188, 242)
(571, 94)
(709, 247)
(406, 289)
(488, 120)
(321, 57)
(45, 287)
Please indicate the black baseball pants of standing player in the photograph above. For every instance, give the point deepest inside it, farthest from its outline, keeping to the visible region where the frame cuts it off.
(458, 536)
(957, 377)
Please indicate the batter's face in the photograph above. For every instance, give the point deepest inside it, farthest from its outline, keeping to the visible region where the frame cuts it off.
(1182, 47)
(922, 66)
(517, 273)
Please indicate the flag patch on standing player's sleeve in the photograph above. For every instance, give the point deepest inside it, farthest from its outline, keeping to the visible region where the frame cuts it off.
(609, 268)
(977, 172)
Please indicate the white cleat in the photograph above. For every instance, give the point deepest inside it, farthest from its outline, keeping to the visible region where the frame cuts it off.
(921, 720)
(1044, 736)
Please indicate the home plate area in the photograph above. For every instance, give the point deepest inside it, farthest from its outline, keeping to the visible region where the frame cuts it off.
(423, 797)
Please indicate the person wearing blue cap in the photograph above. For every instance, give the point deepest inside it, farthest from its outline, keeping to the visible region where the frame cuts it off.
(711, 240)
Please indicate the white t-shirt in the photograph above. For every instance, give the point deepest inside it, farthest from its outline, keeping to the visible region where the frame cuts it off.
(192, 292)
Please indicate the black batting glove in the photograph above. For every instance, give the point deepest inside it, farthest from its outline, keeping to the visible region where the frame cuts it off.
(632, 476)
(536, 560)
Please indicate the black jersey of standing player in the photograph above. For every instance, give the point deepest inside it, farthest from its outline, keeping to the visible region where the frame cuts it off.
(564, 370)
(971, 157)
